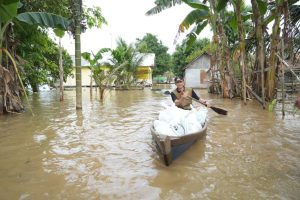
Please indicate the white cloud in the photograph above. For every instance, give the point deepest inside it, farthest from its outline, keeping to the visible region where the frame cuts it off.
(127, 19)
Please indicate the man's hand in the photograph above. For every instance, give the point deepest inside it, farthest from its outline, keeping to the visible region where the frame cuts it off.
(184, 95)
(205, 102)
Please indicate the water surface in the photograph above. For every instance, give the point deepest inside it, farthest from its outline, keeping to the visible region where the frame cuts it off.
(106, 151)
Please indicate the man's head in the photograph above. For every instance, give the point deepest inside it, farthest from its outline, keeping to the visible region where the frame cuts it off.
(179, 84)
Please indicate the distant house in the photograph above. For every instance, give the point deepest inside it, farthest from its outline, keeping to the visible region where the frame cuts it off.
(144, 71)
(196, 74)
(85, 74)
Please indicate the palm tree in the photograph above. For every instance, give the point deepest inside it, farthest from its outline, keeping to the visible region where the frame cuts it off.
(126, 59)
(97, 73)
(90, 17)
(76, 7)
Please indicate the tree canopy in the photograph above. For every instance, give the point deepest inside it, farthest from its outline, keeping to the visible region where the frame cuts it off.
(151, 44)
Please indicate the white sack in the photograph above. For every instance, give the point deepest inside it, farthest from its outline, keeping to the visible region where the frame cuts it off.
(174, 121)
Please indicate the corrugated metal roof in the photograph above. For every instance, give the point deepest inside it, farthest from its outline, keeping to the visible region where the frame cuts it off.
(148, 59)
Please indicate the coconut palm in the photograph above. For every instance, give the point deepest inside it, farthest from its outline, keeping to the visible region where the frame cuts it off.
(126, 59)
(99, 74)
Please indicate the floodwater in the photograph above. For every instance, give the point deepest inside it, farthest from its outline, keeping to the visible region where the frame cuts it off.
(106, 151)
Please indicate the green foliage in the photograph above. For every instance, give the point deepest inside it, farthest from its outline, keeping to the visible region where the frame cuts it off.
(85, 17)
(150, 44)
(196, 4)
(262, 5)
(205, 48)
(222, 4)
(272, 105)
(183, 55)
(41, 57)
(125, 60)
(58, 7)
(8, 10)
(191, 37)
(59, 33)
(94, 17)
(161, 5)
(94, 59)
(44, 19)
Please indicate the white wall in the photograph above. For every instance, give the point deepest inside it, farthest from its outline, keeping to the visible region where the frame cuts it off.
(193, 71)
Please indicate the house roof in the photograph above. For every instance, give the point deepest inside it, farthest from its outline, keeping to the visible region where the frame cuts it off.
(189, 64)
(84, 62)
(148, 59)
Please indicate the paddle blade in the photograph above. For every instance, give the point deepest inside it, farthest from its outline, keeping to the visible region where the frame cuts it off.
(219, 110)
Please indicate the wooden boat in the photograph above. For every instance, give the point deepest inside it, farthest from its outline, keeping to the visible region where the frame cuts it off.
(171, 147)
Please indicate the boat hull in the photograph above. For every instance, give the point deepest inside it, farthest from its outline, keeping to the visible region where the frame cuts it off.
(171, 147)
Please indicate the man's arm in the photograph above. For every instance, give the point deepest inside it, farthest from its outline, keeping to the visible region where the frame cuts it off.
(194, 95)
(173, 96)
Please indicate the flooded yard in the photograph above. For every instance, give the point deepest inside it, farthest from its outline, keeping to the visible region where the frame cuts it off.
(106, 151)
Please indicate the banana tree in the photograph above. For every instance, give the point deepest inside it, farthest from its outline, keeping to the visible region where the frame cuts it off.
(9, 99)
(259, 8)
(200, 17)
(271, 74)
(237, 4)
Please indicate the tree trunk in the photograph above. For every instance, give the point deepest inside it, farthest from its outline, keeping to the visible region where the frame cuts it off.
(273, 59)
(91, 83)
(1, 104)
(260, 50)
(101, 91)
(214, 62)
(226, 76)
(242, 47)
(288, 32)
(78, 54)
(61, 73)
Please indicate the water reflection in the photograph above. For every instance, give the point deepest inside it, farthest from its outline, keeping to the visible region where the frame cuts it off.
(105, 151)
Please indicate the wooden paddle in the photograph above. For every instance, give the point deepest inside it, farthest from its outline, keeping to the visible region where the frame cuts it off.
(216, 109)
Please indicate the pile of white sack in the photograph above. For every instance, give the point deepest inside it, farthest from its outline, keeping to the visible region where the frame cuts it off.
(174, 121)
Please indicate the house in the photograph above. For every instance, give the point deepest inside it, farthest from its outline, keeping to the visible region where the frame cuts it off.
(196, 73)
(144, 71)
(85, 74)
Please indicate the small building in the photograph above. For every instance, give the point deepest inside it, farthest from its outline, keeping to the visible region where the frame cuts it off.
(85, 74)
(196, 73)
(144, 70)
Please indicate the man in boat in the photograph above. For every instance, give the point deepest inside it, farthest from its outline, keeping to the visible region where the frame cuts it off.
(181, 95)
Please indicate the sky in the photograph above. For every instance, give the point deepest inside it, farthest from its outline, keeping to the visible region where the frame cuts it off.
(127, 19)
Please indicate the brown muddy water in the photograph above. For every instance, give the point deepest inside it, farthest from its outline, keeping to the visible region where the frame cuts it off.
(106, 151)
